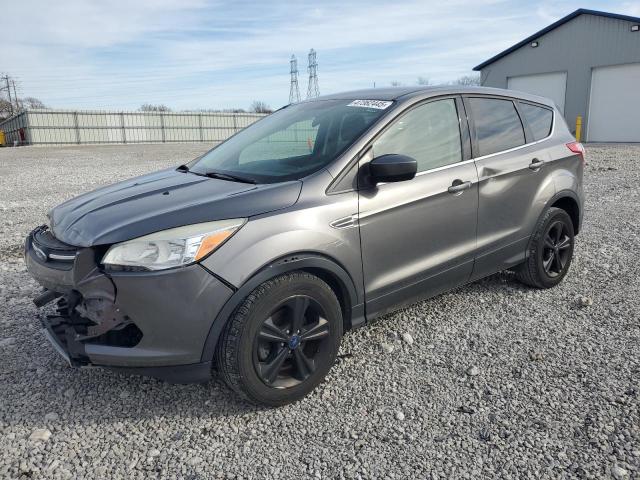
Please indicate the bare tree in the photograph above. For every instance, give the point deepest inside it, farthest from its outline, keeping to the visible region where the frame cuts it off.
(149, 107)
(396, 83)
(468, 80)
(10, 103)
(5, 108)
(217, 110)
(258, 106)
(32, 102)
(424, 81)
(19, 105)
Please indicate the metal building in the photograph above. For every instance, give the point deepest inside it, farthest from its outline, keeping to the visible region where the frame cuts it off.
(59, 127)
(587, 62)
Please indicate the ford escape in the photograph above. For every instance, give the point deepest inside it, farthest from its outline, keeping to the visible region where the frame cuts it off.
(253, 259)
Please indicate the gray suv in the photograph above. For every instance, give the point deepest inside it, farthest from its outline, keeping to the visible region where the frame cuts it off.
(254, 258)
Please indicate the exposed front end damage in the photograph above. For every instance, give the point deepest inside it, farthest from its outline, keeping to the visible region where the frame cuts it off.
(97, 321)
(151, 323)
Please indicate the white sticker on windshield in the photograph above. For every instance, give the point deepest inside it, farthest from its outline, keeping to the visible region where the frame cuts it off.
(378, 104)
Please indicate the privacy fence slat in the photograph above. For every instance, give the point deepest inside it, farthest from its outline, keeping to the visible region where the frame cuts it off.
(52, 127)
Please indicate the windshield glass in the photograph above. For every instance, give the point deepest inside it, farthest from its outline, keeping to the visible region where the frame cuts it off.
(293, 142)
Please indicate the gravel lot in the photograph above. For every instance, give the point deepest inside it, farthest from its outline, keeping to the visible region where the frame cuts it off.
(496, 380)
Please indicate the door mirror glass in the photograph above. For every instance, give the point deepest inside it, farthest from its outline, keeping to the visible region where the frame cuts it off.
(392, 168)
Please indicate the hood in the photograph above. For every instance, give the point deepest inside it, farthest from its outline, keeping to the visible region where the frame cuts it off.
(162, 200)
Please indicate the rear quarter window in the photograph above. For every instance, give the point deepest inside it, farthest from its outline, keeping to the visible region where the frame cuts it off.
(539, 119)
(497, 125)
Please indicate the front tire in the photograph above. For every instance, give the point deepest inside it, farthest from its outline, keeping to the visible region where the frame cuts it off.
(280, 343)
(550, 251)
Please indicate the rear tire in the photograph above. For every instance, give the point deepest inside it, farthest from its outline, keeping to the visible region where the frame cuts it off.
(283, 339)
(550, 251)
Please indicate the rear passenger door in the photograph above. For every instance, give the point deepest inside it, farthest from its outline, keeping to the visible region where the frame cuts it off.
(511, 181)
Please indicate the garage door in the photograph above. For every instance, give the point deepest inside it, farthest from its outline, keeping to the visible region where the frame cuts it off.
(550, 85)
(614, 104)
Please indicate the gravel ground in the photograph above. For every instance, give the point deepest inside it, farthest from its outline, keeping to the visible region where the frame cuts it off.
(490, 380)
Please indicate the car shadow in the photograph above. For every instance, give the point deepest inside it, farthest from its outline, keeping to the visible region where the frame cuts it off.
(96, 395)
(91, 395)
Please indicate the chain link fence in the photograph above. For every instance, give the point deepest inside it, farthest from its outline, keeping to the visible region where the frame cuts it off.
(52, 127)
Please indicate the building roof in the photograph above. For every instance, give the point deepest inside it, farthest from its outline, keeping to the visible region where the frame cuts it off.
(562, 21)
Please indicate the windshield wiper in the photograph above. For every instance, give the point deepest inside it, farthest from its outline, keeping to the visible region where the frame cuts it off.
(230, 177)
(182, 168)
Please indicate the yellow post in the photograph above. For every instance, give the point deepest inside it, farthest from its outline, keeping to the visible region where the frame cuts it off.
(578, 127)
(1, 138)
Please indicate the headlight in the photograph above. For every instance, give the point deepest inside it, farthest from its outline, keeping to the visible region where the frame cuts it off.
(174, 247)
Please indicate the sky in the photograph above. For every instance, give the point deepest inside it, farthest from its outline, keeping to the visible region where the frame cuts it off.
(211, 54)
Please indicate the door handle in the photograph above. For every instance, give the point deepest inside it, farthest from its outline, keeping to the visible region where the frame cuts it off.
(536, 164)
(458, 186)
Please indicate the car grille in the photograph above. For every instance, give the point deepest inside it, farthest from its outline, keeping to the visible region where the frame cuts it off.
(49, 249)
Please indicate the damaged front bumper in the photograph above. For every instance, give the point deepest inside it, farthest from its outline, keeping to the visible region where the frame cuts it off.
(149, 323)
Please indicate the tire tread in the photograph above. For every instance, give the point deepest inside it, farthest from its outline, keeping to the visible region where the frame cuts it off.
(229, 343)
(528, 272)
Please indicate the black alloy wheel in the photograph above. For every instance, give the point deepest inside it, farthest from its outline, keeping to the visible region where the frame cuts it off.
(557, 249)
(550, 250)
(282, 340)
(292, 339)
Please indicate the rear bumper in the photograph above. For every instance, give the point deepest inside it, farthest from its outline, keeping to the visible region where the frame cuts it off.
(149, 323)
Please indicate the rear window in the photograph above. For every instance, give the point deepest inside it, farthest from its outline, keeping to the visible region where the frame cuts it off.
(497, 125)
(539, 120)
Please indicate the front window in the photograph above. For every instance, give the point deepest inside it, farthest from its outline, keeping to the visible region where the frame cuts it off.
(429, 133)
(293, 142)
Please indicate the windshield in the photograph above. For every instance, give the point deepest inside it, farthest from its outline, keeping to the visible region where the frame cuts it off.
(293, 142)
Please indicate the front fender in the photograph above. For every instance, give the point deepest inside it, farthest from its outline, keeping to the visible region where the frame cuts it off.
(305, 228)
(354, 310)
(305, 237)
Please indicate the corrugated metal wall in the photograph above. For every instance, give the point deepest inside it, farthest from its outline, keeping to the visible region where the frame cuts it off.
(11, 128)
(575, 47)
(50, 127)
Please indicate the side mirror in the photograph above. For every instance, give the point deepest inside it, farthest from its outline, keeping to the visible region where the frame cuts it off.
(392, 168)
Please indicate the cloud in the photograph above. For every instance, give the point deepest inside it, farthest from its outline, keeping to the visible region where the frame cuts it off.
(631, 8)
(90, 23)
(207, 53)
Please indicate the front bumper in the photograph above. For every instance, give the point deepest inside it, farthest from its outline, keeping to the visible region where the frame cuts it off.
(152, 323)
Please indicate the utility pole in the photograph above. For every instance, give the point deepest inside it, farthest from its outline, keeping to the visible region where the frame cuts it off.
(6, 79)
(15, 95)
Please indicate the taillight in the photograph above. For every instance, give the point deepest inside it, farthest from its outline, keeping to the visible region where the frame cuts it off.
(577, 148)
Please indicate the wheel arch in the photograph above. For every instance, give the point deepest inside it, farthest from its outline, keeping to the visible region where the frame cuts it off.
(570, 203)
(324, 267)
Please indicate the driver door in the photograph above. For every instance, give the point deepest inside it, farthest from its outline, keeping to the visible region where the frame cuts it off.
(418, 237)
